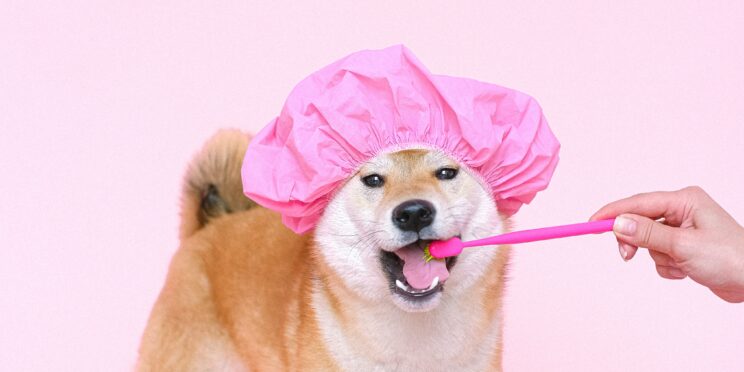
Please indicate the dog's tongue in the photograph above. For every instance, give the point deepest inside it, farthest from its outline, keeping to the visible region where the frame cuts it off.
(417, 271)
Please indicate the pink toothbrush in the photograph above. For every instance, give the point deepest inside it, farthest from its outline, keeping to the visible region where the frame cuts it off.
(440, 249)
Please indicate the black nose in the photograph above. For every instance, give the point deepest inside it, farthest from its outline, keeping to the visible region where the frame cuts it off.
(413, 215)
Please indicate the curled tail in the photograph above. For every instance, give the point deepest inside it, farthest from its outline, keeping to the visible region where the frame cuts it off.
(212, 186)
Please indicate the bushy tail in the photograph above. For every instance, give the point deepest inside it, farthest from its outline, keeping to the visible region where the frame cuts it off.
(212, 186)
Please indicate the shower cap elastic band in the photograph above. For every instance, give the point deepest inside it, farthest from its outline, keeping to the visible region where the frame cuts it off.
(373, 101)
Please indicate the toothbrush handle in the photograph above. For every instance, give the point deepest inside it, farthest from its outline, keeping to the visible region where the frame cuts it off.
(545, 233)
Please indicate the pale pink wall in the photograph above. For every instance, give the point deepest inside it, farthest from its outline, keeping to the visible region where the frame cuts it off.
(102, 105)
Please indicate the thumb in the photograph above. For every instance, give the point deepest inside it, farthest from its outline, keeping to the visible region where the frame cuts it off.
(644, 232)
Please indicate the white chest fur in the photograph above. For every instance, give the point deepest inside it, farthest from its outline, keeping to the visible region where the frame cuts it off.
(456, 336)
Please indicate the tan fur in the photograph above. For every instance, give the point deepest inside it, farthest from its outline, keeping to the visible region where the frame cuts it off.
(408, 178)
(249, 293)
(218, 163)
(240, 294)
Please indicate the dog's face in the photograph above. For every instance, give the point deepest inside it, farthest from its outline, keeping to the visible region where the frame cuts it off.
(373, 232)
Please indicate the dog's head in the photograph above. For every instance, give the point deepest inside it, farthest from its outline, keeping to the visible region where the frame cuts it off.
(374, 230)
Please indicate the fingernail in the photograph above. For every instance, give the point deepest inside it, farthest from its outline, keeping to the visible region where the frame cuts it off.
(625, 226)
(623, 251)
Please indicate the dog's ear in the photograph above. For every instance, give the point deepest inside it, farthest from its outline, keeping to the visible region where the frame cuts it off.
(212, 186)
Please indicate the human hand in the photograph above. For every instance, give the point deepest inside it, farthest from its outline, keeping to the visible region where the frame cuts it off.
(696, 237)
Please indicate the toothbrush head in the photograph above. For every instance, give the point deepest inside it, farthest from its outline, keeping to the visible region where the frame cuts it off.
(441, 249)
(427, 254)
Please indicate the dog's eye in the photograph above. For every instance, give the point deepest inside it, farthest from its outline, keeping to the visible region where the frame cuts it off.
(373, 180)
(446, 173)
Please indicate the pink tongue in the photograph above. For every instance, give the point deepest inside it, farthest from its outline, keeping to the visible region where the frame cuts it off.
(417, 271)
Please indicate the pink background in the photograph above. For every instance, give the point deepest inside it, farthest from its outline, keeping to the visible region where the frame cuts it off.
(102, 105)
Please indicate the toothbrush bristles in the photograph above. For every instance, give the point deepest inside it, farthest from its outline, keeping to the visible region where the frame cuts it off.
(427, 254)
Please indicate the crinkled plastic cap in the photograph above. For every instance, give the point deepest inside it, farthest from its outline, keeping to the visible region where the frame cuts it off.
(375, 101)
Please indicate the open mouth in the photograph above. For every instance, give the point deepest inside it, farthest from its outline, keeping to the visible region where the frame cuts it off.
(411, 276)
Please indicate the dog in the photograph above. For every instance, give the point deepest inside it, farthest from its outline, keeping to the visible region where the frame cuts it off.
(245, 293)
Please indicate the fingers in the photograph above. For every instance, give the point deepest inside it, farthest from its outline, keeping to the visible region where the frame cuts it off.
(644, 232)
(627, 251)
(666, 266)
(662, 259)
(653, 204)
(729, 295)
(661, 240)
(668, 272)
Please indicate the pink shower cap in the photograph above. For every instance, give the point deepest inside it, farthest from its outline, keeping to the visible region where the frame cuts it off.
(377, 101)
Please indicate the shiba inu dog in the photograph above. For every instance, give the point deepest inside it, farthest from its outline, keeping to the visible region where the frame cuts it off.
(244, 293)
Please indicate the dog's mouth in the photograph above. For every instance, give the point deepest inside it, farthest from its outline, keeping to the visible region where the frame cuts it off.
(411, 275)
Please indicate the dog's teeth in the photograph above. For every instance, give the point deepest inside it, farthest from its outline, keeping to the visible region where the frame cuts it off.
(433, 283)
(410, 289)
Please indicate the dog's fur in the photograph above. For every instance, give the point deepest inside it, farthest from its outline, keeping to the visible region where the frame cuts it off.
(244, 293)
